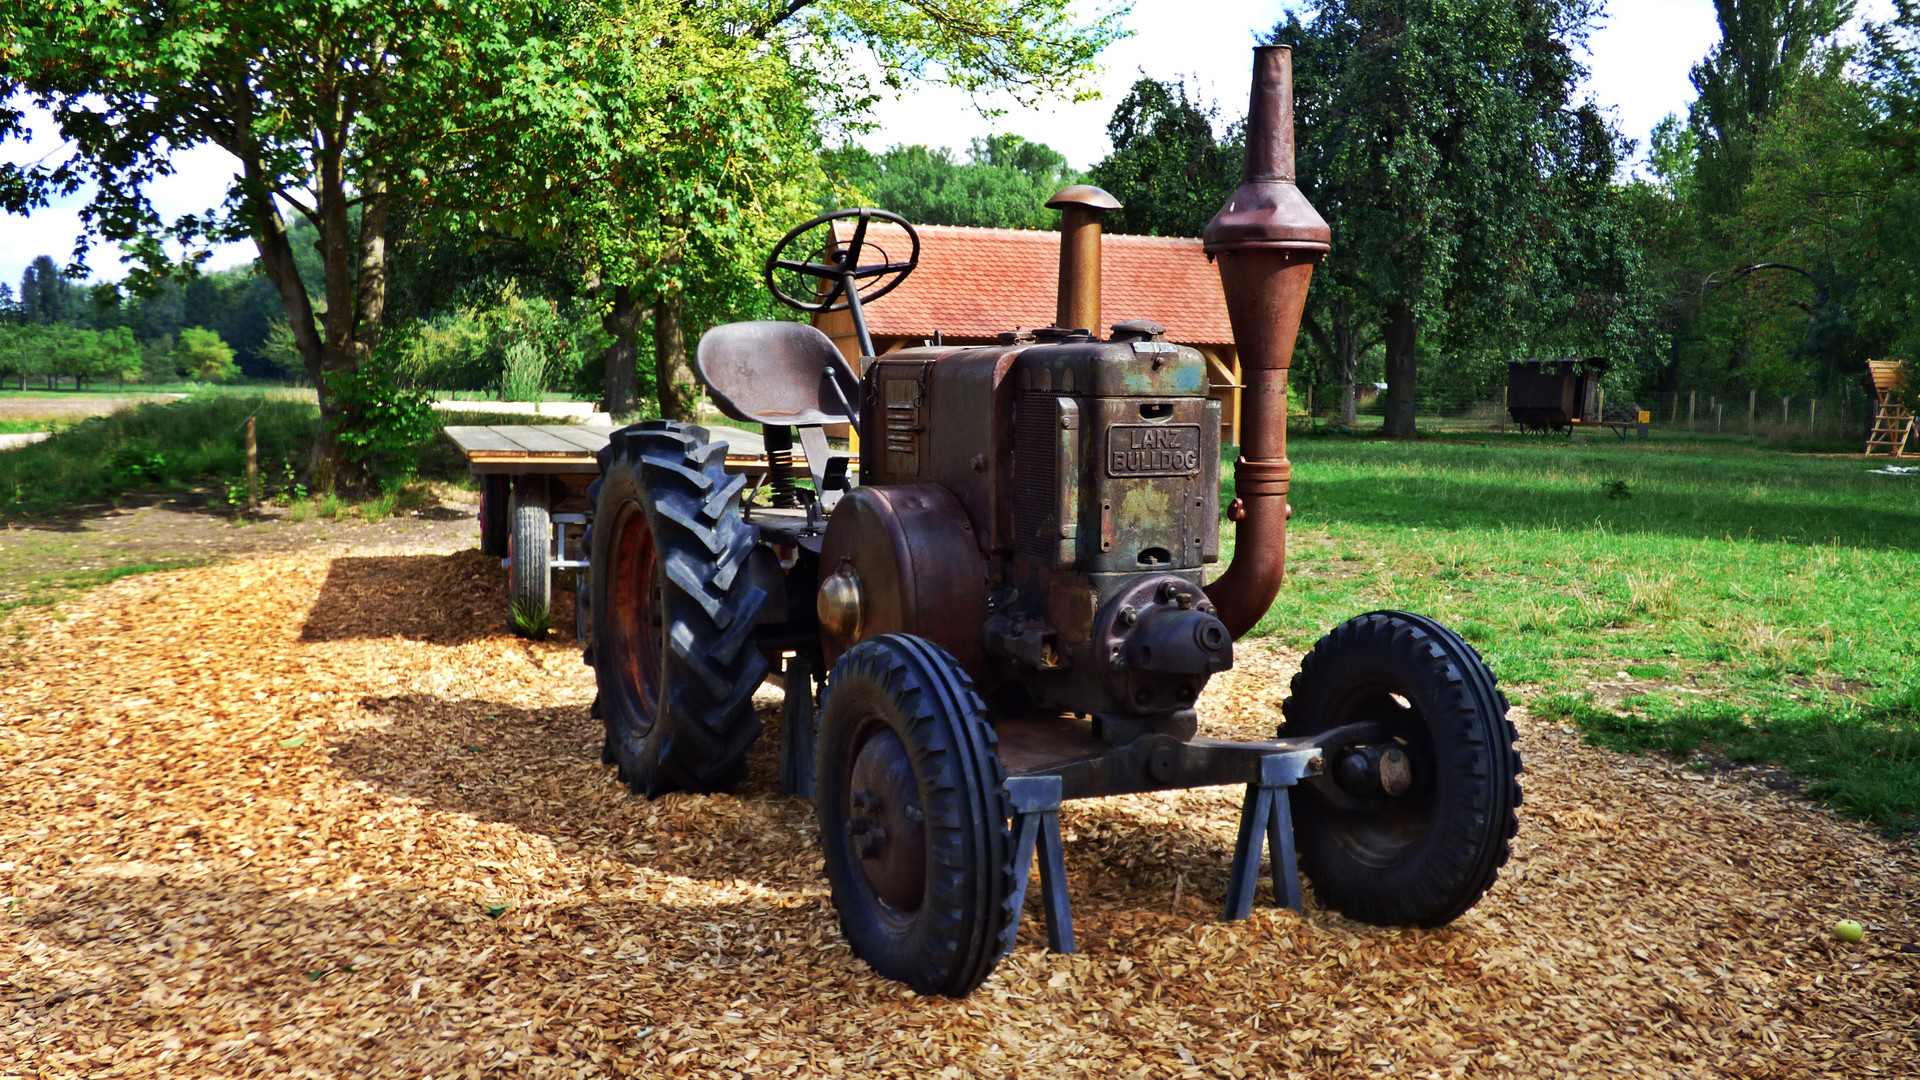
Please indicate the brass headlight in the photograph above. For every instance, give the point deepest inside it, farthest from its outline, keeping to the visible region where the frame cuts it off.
(838, 603)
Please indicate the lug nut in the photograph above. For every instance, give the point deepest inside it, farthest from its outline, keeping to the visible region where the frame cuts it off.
(1128, 616)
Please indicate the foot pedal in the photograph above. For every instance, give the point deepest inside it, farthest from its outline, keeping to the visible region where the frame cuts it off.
(1036, 821)
(797, 730)
(1266, 816)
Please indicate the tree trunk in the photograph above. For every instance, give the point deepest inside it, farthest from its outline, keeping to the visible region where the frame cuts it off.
(1346, 340)
(672, 376)
(621, 320)
(1402, 340)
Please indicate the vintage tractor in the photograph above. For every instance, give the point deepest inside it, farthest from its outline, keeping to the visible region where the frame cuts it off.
(1014, 586)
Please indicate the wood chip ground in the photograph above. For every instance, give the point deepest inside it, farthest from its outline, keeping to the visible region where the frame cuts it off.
(318, 816)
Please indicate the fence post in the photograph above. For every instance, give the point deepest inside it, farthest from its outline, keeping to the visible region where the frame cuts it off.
(1692, 400)
(253, 468)
(1813, 411)
(1753, 396)
(1673, 412)
(1783, 411)
(1717, 410)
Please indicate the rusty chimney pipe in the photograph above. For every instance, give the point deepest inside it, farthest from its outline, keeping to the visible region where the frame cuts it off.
(1081, 207)
(1268, 239)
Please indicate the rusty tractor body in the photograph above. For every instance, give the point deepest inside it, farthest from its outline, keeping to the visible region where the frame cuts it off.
(1015, 585)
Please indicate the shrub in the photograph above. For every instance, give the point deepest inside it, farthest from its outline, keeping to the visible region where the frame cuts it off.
(380, 424)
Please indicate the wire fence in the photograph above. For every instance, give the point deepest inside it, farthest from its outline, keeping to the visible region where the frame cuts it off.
(1840, 417)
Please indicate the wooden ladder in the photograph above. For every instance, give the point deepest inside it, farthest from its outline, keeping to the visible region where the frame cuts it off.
(1894, 425)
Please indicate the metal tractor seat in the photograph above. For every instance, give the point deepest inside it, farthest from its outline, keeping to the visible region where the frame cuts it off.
(789, 378)
(775, 372)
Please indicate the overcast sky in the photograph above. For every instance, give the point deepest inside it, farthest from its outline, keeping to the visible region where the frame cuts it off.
(1640, 58)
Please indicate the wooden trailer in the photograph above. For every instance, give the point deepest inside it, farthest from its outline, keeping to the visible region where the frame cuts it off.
(533, 498)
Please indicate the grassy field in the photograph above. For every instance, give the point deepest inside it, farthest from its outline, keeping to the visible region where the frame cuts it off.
(196, 441)
(1704, 600)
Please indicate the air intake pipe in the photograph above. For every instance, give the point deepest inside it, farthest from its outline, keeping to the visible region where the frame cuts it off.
(1267, 239)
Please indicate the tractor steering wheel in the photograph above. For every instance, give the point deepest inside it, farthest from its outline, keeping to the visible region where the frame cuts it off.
(838, 262)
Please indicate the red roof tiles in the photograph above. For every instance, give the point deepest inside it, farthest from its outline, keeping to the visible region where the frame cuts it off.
(975, 283)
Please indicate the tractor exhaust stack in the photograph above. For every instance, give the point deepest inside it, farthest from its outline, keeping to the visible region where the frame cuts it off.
(1081, 208)
(1267, 239)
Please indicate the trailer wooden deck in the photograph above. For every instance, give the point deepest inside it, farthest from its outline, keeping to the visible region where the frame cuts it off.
(533, 484)
(570, 448)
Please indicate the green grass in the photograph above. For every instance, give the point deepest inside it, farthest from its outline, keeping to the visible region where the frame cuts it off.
(171, 444)
(151, 445)
(244, 388)
(1667, 597)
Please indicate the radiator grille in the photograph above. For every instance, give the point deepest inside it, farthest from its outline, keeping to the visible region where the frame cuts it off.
(1036, 483)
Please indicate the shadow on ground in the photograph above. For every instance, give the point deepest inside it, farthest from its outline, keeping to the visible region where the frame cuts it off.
(539, 770)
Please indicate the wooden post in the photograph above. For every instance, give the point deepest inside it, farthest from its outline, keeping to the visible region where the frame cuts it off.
(1813, 411)
(1717, 410)
(1692, 400)
(253, 467)
(1673, 411)
(1753, 396)
(1783, 411)
(1599, 403)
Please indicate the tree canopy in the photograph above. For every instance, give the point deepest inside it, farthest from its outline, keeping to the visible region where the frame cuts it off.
(657, 137)
(1004, 183)
(1466, 188)
(1167, 167)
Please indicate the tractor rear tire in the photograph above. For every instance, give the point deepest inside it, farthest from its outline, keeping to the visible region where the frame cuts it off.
(673, 610)
(1423, 857)
(529, 561)
(912, 805)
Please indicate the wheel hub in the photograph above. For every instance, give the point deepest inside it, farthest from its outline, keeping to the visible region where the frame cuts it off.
(1374, 771)
(884, 821)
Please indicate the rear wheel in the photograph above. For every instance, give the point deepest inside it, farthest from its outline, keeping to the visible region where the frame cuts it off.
(673, 610)
(1411, 826)
(913, 809)
(529, 562)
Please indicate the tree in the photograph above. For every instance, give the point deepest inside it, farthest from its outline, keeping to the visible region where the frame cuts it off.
(1441, 142)
(46, 296)
(1763, 45)
(562, 124)
(702, 147)
(333, 109)
(202, 355)
(1167, 168)
(1004, 183)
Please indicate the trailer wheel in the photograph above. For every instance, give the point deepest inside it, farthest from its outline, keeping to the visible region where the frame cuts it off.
(673, 611)
(496, 499)
(529, 569)
(912, 806)
(1411, 829)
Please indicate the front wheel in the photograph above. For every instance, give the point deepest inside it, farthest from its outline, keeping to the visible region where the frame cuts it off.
(913, 809)
(1410, 826)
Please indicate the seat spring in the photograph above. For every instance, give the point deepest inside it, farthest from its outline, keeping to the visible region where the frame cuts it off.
(785, 493)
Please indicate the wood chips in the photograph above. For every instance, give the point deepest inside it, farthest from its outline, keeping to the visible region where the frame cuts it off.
(322, 816)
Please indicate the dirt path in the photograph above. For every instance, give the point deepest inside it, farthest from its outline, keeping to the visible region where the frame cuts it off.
(314, 814)
(166, 529)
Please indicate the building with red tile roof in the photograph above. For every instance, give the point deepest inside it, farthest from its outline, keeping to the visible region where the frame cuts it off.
(971, 285)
